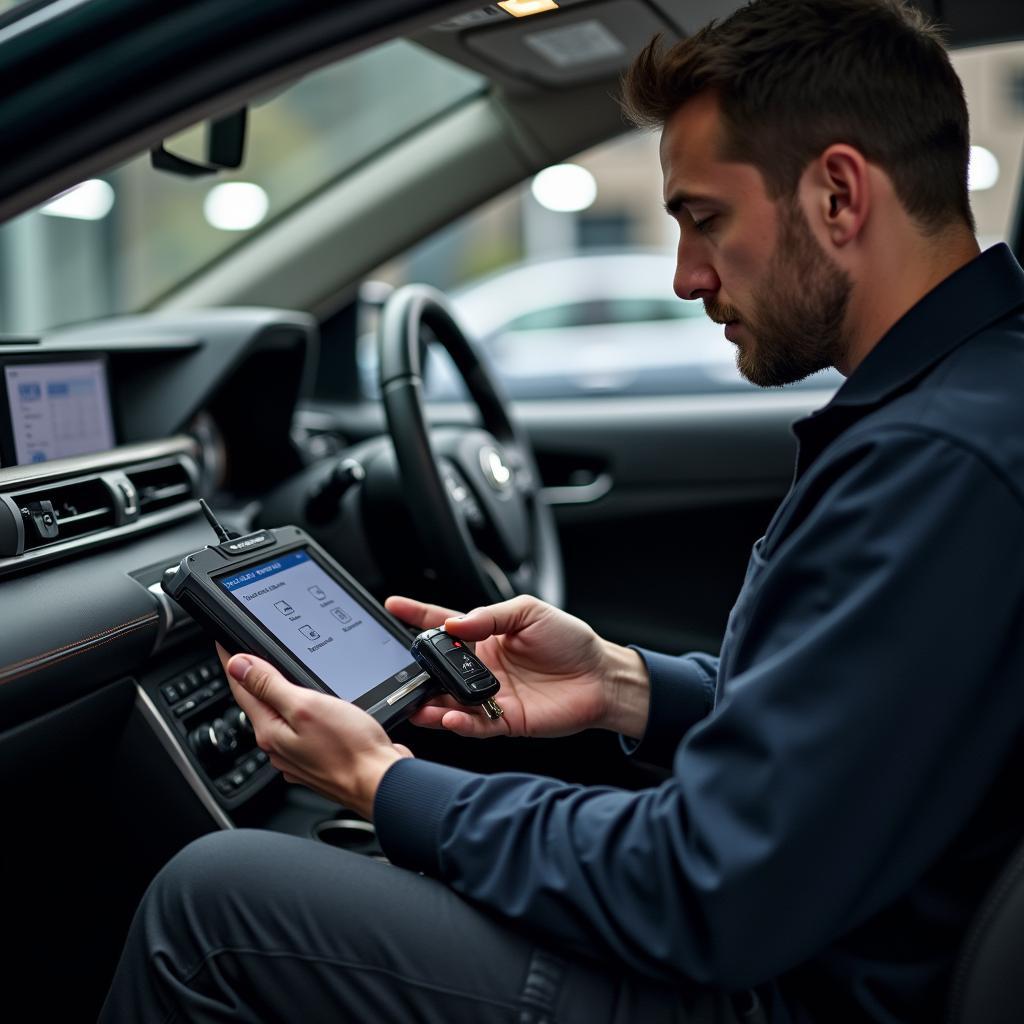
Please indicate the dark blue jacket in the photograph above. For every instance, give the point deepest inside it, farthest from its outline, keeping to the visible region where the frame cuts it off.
(843, 775)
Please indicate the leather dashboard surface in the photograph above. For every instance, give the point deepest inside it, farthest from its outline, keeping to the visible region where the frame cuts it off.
(71, 628)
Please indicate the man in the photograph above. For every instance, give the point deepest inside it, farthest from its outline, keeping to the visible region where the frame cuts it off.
(839, 798)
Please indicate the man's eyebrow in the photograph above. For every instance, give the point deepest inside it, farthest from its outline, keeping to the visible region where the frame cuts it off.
(678, 200)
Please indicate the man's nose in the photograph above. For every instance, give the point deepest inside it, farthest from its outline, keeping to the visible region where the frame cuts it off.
(694, 280)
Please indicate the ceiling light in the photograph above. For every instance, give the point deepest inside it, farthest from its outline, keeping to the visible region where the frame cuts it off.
(91, 200)
(565, 188)
(523, 8)
(982, 169)
(235, 205)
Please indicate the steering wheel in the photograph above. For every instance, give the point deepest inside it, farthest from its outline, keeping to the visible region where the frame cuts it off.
(474, 491)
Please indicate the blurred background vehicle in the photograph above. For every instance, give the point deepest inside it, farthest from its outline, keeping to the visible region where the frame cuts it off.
(596, 323)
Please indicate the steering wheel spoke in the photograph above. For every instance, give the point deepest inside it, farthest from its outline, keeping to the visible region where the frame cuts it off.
(524, 470)
(472, 491)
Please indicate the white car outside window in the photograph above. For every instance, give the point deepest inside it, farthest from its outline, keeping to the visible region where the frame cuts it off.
(593, 324)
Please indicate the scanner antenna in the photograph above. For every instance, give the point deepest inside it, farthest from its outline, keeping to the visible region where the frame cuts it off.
(212, 520)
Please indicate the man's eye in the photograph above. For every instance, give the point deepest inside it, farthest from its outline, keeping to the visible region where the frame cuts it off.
(702, 225)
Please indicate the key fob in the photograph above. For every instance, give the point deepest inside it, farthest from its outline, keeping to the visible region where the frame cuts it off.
(459, 671)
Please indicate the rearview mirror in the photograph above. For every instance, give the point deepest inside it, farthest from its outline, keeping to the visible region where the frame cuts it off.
(225, 149)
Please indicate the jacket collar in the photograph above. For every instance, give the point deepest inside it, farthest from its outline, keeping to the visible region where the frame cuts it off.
(973, 297)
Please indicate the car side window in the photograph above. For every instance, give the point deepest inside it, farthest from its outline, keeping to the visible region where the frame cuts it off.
(565, 282)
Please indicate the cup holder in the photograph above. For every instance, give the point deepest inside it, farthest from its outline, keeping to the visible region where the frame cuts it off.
(351, 834)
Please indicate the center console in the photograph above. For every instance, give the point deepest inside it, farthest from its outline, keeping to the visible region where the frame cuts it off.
(212, 731)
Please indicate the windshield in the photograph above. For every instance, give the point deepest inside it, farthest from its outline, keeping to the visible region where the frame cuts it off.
(9, 9)
(118, 242)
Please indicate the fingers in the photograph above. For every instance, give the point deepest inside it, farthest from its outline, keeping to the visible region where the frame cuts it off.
(416, 613)
(224, 656)
(265, 683)
(429, 716)
(267, 698)
(462, 721)
(474, 724)
(504, 617)
(492, 619)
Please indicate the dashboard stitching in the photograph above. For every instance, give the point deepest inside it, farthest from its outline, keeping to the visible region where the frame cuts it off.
(35, 662)
(75, 643)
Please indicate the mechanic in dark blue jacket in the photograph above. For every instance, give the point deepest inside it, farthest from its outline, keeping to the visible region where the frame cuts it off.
(842, 775)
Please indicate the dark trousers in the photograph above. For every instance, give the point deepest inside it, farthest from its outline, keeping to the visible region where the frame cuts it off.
(258, 926)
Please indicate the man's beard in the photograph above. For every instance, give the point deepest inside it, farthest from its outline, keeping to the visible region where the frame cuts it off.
(797, 313)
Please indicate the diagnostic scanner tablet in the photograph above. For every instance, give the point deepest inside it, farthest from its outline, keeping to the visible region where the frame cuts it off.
(277, 594)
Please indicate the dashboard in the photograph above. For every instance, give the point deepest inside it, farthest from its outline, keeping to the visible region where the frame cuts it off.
(119, 738)
(109, 435)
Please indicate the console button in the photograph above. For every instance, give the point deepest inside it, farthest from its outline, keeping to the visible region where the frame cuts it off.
(204, 694)
(170, 692)
(225, 785)
(237, 778)
(205, 673)
(185, 707)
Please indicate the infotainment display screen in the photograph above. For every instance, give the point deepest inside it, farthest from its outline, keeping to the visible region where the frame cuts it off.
(58, 408)
(321, 624)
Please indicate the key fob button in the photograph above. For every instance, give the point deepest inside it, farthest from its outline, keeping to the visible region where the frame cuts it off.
(464, 663)
(443, 644)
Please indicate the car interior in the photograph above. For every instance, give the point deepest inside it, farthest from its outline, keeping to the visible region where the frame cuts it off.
(146, 369)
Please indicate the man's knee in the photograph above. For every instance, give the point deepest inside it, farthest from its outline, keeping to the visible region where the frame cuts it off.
(207, 866)
(196, 896)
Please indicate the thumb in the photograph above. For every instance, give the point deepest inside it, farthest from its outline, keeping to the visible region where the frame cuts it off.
(265, 683)
(504, 617)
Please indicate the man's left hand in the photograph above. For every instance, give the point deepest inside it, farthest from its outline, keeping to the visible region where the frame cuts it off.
(315, 740)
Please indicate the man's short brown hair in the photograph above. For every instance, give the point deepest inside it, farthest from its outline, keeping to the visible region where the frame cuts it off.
(795, 76)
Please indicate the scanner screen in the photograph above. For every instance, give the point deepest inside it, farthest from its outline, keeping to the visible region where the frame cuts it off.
(322, 624)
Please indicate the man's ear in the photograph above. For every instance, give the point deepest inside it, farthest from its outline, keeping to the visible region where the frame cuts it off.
(839, 188)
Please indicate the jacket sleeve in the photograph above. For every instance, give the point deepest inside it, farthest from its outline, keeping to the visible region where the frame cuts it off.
(878, 666)
(682, 693)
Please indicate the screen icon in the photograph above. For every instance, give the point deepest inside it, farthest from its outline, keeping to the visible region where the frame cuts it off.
(284, 607)
(341, 615)
(318, 593)
(309, 632)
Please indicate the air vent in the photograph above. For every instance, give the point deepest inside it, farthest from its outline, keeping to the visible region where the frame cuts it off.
(61, 511)
(46, 513)
(162, 484)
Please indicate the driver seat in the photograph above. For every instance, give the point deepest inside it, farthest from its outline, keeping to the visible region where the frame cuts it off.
(988, 979)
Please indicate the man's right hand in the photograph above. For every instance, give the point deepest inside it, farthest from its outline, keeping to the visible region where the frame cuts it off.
(557, 675)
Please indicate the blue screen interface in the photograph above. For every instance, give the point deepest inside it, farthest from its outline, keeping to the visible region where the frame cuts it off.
(59, 409)
(323, 625)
